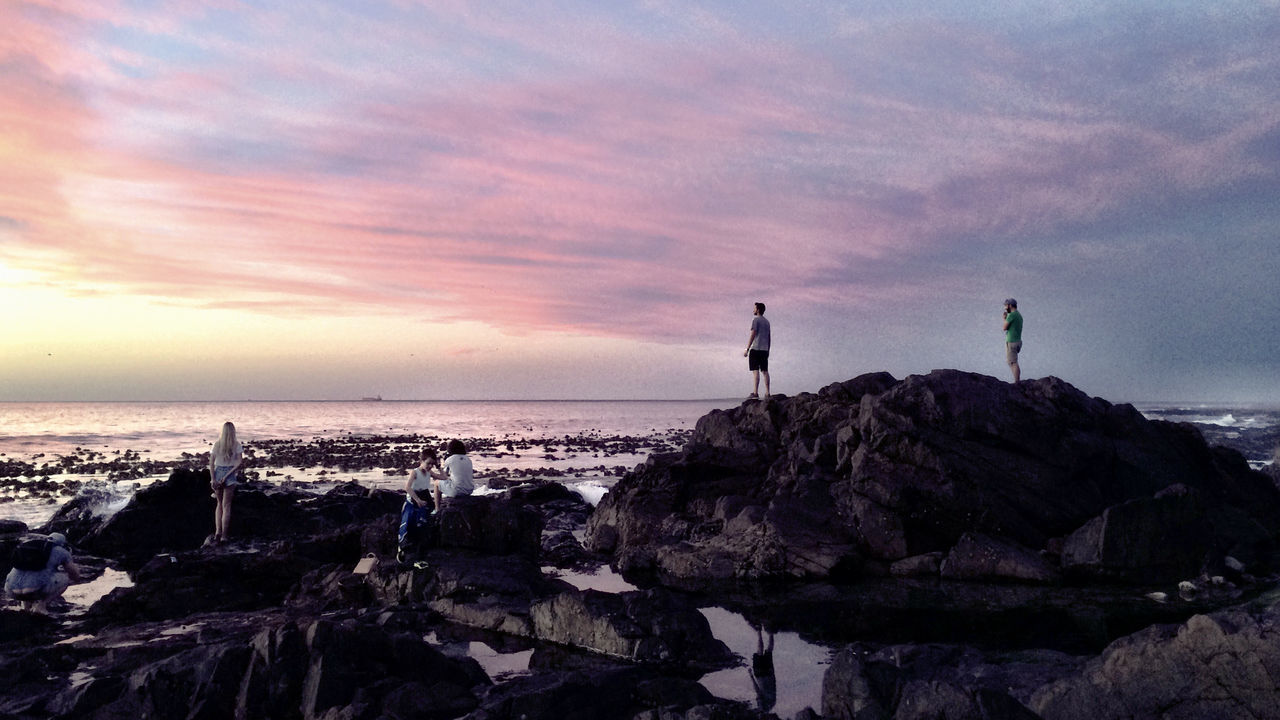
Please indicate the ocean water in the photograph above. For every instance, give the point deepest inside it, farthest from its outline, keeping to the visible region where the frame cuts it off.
(608, 437)
(152, 438)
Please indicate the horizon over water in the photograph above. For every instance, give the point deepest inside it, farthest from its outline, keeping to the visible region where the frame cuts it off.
(167, 434)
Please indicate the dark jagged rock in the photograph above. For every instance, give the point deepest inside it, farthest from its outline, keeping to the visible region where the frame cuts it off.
(1221, 665)
(650, 626)
(621, 693)
(177, 585)
(78, 516)
(1273, 470)
(176, 515)
(495, 526)
(872, 471)
(224, 665)
(932, 493)
(936, 681)
(978, 557)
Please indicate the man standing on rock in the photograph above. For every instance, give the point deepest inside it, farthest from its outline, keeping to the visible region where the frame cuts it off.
(1012, 336)
(757, 353)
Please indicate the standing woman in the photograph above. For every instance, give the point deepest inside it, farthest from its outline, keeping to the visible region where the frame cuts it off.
(224, 462)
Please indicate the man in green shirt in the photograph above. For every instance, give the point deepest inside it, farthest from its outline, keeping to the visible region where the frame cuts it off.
(1012, 336)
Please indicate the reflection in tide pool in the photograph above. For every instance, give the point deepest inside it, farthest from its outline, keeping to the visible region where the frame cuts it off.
(82, 595)
(500, 666)
(602, 578)
(496, 664)
(798, 667)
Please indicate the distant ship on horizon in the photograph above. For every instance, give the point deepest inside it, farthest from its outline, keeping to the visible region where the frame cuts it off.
(374, 398)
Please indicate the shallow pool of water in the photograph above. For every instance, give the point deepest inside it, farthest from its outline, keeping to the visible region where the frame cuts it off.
(798, 666)
(82, 595)
(602, 578)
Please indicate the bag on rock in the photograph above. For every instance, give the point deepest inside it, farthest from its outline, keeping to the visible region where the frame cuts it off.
(32, 554)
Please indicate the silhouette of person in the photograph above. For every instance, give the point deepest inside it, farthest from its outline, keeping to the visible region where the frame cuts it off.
(757, 352)
(762, 677)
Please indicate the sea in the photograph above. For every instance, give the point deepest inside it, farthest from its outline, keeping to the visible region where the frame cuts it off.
(51, 451)
(117, 447)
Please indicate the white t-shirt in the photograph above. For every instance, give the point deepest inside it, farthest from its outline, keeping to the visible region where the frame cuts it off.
(760, 327)
(226, 459)
(458, 476)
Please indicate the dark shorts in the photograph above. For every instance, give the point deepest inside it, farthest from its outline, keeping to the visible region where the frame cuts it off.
(758, 360)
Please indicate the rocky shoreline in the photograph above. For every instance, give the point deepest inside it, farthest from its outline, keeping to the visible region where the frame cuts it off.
(968, 548)
(320, 463)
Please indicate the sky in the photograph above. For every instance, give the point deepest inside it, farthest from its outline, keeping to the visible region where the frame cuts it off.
(222, 200)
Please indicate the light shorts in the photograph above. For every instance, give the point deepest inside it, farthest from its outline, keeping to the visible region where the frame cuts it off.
(758, 360)
(449, 489)
(1011, 350)
(51, 584)
(226, 475)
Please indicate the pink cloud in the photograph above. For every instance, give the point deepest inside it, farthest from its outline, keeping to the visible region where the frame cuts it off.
(622, 179)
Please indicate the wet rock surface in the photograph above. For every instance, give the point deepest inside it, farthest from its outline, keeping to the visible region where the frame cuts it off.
(967, 549)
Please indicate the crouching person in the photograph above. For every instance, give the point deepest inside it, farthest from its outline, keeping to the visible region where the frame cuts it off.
(42, 570)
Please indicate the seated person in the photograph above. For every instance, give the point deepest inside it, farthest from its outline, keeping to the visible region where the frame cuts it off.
(36, 585)
(458, 474)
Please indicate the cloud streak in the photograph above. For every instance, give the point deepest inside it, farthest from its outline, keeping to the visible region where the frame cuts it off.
(589, 171)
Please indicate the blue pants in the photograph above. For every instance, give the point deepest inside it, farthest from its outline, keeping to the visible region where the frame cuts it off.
(411, 518)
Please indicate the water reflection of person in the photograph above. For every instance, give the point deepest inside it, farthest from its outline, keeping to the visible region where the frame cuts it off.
(762, 677)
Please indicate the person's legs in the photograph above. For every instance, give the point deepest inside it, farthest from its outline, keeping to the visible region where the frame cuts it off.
(224, 511)
(406, 523)
(218, 494)
(53, 590)
(30, 600)
(1011, 350)
(755, 383)
(766, 382)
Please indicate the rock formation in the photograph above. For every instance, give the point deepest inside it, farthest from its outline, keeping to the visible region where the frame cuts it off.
(983, 479)
(968, 548)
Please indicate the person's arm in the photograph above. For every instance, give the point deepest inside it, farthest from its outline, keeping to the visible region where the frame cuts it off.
(750, 339)
(73, 570)
(238, 462)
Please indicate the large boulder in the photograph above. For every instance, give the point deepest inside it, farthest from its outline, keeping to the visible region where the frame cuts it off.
(264, 666)
(648, 626)
(1221, 665)
(910, 682)
(978, 557)
(493, 525)
(869, 472)
(176, 515)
